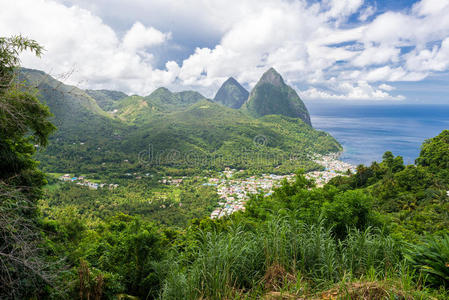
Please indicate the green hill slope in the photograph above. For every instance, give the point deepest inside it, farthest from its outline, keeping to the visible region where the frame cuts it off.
(208, 134)
(271, 96)
(74, 110)
(83, 128)
(167, 101)
(106, 98)
(137, 109)
(183, 130)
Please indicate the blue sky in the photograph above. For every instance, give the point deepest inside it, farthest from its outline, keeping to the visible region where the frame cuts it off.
(333, 50)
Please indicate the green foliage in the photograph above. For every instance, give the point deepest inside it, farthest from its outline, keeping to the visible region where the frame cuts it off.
(25, 271)
(184, 130)
(432, 258)
(351, 209)
(106, 99)
(164, 204)
(236, 260)
(301, 239)
(338, 211)
(435, 152)
(10, 49)
(123, 250)
(23, 123)
(413, 197)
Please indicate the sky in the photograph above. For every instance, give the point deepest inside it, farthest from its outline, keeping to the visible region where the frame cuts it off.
(333, 50)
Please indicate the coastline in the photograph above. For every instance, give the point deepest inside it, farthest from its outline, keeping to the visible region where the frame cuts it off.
(333, 167)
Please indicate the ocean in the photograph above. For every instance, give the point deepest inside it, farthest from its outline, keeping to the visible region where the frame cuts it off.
(367, 131)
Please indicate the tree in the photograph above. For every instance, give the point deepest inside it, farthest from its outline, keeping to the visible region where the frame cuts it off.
(24, 125)
(351, 209)
(435, 152)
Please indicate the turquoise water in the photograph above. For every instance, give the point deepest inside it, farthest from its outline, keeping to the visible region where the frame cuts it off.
(367, 131)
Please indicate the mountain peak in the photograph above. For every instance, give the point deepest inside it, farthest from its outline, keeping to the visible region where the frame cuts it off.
(161, 90)
(271, 96)
(273, 77)
(231, 94)
(231, 80)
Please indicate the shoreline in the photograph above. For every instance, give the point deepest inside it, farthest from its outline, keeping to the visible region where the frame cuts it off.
(333, 167)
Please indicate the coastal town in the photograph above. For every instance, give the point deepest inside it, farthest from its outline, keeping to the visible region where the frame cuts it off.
(332, 167)
(235, 192)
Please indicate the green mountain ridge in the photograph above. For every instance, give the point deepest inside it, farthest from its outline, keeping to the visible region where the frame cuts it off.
(137, 109)
(231, 94)
(106, 98)
(170, 101)
(271, 96)
(179, 124)
(70, 105)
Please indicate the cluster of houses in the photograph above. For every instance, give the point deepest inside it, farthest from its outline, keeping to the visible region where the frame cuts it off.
(235, 192)
(332, 168)
(171, 181)
(82, 181)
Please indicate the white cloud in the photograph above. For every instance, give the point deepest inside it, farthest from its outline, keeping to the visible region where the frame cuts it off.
(310, 47)
(340, 9)
(430, 7)
(372, 55)
(115, 44)
(346, 91)
(386, 87)
(366, 13)
(435, 59)
(77, 40)
(139, 37)
(198, 19)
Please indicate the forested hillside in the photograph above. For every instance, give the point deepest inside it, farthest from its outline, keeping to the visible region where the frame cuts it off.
(272, 95)
(380, 233)
(231, 94)
(183, 129)
(377, 234)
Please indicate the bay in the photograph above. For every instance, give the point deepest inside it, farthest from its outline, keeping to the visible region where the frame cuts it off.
(367, 131)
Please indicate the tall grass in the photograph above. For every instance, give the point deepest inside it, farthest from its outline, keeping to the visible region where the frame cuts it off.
(234, 261)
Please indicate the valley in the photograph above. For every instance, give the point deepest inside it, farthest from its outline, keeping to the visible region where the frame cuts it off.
(231, 186)
(177, 196)
(218, 150)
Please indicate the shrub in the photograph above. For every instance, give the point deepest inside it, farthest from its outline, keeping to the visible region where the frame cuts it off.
(432, 259)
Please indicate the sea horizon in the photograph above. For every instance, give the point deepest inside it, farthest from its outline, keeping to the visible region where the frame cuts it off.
(366, 132)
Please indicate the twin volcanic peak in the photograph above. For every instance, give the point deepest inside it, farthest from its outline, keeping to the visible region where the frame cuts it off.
(231, 94)
(270, 96)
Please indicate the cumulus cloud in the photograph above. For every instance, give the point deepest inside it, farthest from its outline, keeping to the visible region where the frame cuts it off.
(311, 46)
(76, 40)
(435, 59)
(139, 37)
(316, 45)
